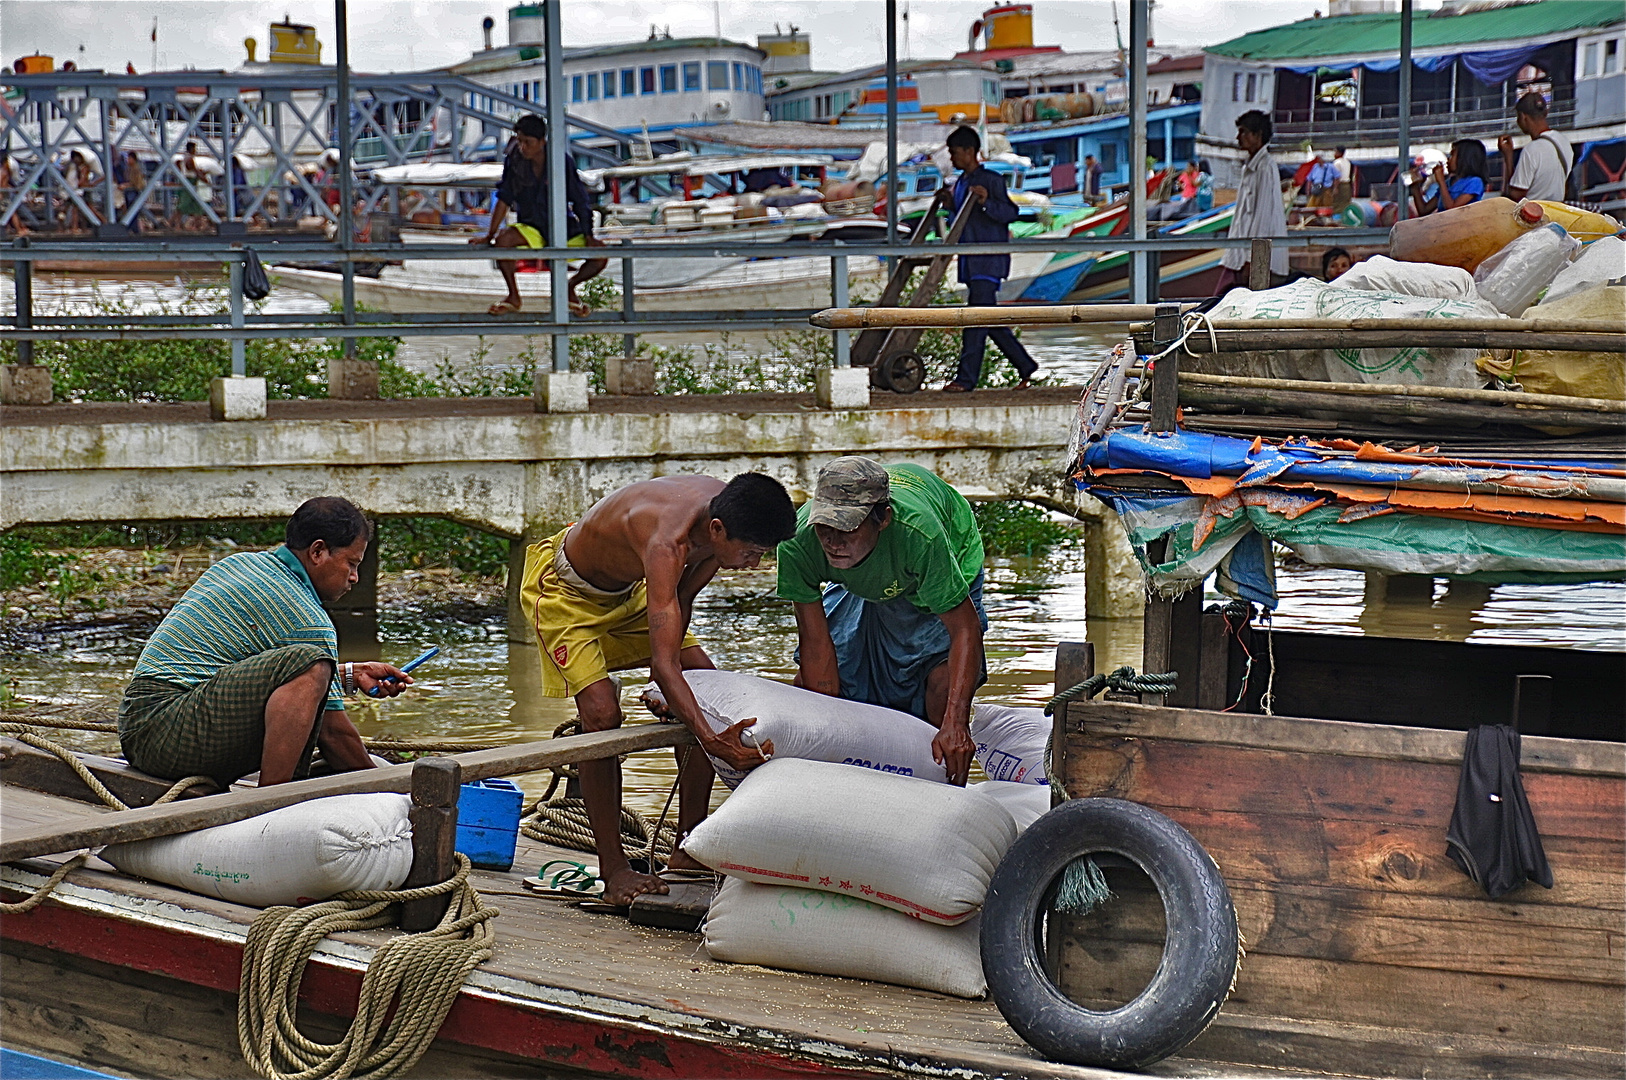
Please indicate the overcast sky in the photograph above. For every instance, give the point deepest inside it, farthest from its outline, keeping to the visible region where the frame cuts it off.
(400, 35)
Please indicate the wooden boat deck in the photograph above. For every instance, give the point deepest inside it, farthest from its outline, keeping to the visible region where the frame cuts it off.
(573, 989)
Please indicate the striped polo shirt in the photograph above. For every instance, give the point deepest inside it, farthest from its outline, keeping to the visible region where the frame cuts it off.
(242, 606)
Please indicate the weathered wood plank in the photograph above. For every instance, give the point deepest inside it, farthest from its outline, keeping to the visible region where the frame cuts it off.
(1325, 786)
(29, 767)
(1339, 737)
(147, 822)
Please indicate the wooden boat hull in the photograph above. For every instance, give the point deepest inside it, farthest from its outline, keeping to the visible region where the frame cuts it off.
(1368, 950)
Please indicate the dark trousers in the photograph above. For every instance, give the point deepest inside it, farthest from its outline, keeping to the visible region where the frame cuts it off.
(974, 339)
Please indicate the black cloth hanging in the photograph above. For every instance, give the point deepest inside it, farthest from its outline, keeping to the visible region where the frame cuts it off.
(1493, 835)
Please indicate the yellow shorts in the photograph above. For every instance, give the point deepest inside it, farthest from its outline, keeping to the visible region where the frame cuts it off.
(582, 637)
(533, 237)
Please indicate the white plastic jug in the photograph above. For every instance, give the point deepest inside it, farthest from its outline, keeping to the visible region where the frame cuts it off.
(1511, 279)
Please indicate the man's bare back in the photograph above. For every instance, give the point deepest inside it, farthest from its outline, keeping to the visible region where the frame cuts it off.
(611, 545)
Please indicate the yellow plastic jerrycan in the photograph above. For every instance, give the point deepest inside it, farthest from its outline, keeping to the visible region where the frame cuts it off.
(1584, 225)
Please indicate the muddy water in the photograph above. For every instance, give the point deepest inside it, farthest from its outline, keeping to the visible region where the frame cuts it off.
(482, 687)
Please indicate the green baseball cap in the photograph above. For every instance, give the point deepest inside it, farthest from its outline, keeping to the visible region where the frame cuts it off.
(848, 489)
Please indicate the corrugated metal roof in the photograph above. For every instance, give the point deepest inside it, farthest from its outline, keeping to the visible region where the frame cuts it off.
(1353, 35)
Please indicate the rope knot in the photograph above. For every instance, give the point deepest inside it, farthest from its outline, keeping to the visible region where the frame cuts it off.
(1124, 680)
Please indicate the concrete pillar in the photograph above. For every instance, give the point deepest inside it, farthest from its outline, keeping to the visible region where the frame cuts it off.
(629, 377)
(843, 388)
(355, 614)
(1399, 588)
(1113, 586)
(561, 391)
(352, 380)
(25, 384)
(237, 397)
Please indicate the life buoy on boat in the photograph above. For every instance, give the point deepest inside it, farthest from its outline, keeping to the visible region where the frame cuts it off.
(1199, 955)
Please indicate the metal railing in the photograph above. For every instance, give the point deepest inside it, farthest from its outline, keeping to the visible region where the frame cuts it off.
(1430, 120)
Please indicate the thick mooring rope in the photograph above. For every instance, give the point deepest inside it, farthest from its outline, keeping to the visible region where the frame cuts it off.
(416, 975)
(1124, 680)
(23, 733)
(563, 822)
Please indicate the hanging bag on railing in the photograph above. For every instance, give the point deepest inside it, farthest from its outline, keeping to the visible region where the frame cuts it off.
(256, 285)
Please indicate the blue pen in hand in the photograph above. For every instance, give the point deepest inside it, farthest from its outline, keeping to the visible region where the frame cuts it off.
(428, 654)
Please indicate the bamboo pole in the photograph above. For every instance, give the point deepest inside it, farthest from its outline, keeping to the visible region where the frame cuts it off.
(1440, 336)
(866, 318)
(1587, 326)
(1276, 401)
(187, 815)
(1443, 393)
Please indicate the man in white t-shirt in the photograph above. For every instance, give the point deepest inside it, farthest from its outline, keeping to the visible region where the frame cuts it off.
(1344, 190)
(1545, 162)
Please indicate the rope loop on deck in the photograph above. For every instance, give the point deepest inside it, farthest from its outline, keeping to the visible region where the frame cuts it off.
(1124, 680)
(417, 975)
(24, 734)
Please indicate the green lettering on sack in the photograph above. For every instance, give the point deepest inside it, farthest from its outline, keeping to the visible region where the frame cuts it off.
(218, 874)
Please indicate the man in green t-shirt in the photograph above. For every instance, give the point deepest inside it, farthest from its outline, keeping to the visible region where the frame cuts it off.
(901, 622)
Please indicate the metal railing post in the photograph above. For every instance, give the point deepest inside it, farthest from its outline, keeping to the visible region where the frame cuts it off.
(838, 298)
(1403, 135)
(347, 224)
(629, 342)
(24, 272)
(558, 161)
(239, 347)
(891, 121)
(1139, 17)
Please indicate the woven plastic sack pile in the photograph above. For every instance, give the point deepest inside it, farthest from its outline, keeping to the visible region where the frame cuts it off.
(296, 855)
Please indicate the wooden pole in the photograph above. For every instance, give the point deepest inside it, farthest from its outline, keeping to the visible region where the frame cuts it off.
(1276, 401)
(1443, 393)
(167, 820)
(1166, 371)
(1075, 662)
(435, 787)
(1543, 325)
(1259, 264)
(1267, 337)
(1036, 315)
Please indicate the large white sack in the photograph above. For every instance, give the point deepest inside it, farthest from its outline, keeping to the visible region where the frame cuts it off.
(1011, 742)
(922, 848)
(295, 855)
(1600, 262)
(1310, 299)
(1379, 273)
(816, 727)
(1026, 803)
(809, 930)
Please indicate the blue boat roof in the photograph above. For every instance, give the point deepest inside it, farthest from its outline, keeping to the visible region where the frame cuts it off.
(1090, 124)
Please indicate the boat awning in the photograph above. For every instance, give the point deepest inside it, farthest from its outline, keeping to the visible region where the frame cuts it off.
(1356, 507)
(442, 174)
(718, 164)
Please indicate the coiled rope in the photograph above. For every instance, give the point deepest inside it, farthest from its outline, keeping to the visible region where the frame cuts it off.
(407, 990)
(563, 821)
(1124, 680)
(24, 733)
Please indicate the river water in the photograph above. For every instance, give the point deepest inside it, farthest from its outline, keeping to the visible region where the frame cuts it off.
(482, 687)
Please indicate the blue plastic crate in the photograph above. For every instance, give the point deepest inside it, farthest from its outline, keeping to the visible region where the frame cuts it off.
(488, 822)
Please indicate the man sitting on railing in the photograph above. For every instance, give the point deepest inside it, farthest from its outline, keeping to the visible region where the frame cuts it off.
(616, 590)
(243, 673)
(524, 189)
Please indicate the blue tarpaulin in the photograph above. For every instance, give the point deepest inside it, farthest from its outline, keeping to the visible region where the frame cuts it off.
(1488, 66)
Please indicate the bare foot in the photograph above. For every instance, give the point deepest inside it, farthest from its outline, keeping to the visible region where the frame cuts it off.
(682, 860)
(622, 886)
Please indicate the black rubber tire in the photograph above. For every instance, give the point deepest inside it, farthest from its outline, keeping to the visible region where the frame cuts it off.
(878, 375)
(1199, 954)
(905, 372)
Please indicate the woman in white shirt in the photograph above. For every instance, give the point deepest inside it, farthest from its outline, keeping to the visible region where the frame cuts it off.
(1259, 210)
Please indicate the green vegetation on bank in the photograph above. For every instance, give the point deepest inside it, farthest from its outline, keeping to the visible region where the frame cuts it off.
(1018, 528)
(180, 370)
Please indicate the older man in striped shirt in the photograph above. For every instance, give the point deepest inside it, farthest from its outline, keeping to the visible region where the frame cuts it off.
(243, 673)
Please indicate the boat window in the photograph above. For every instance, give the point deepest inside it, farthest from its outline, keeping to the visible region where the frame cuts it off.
(646, 80)
(1589, 62)
(1236, 87)
(691, 75)
(629, 85)
(1253, 81)
(536, 90)
(609, 84)
(575, 88)
(669, 82)
(1611, 56)
(739, 76)
(716, 75)
(926, 183)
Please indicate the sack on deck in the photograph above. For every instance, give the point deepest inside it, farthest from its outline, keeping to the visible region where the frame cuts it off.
(922, 848)
(1026, 803)
(815, 727)
(1011, 742)
(295, 855)
(809, 930)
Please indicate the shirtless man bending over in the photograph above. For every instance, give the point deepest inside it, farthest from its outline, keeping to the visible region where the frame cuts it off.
(616, 590)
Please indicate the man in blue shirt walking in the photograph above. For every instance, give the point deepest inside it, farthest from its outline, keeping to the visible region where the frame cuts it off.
(981, 274)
